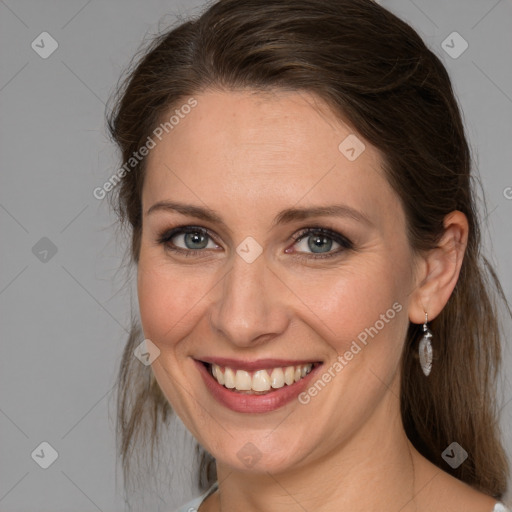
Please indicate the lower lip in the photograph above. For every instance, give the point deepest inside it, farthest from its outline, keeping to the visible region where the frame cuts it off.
(241, 402)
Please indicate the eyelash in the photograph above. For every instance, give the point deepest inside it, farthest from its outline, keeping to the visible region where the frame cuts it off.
(345, 243)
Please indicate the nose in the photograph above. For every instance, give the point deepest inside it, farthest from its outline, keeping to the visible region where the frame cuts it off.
(251, 306)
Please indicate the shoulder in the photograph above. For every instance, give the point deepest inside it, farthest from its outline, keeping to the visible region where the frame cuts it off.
(194, 504)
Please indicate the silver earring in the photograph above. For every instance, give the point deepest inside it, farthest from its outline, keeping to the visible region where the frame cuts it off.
(425, 349)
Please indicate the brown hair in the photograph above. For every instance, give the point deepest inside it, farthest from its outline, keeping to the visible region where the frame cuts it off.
(373, 70)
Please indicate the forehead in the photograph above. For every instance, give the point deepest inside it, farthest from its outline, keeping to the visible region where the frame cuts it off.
(265, 151)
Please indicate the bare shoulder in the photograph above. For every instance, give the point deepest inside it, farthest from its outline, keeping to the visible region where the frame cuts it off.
(210, 504)
(445, 493)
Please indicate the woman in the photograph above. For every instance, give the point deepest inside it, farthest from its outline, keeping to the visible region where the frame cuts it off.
(312, 299)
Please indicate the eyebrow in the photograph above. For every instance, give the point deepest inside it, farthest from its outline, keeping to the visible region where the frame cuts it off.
(286, 216)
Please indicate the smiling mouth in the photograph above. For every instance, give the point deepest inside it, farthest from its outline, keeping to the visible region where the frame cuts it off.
(259, 382)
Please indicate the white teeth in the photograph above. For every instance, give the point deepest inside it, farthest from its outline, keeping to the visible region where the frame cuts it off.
(260, 380)
(289, 375)
(243, 380)
(277, 378)
(229, 378)
(217, 373)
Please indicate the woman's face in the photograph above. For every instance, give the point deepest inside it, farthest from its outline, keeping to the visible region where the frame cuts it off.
(247, 282)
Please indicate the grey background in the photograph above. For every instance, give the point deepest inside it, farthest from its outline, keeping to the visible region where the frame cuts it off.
(64, 320)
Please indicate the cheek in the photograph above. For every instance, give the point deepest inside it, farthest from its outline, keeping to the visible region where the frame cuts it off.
(167, 301)
(361, 304)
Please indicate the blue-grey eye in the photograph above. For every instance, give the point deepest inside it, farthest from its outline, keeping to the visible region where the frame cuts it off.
(187, 239)
(193, 240)
(319, 243)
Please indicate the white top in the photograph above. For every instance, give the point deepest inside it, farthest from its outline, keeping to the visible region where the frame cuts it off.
(194, 504)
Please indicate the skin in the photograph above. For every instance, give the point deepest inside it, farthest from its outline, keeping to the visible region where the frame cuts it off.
(247, 156)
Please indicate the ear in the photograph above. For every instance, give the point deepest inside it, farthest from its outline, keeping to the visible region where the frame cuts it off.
(438, 270)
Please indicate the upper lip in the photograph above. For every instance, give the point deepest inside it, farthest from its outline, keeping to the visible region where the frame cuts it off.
(258, 364)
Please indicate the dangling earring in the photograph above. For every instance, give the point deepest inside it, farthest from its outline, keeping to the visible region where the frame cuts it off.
(425, 349)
